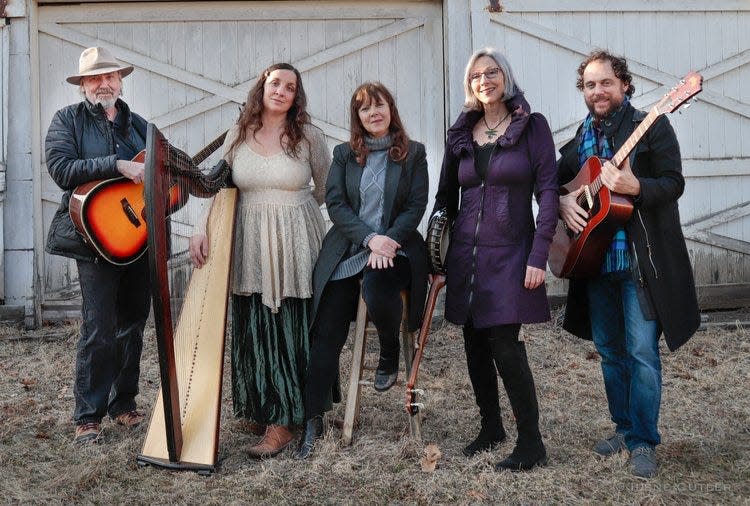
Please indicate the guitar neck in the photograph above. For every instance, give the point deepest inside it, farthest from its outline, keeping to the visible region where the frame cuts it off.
(624, 151)
(636, 136)
(206, 152)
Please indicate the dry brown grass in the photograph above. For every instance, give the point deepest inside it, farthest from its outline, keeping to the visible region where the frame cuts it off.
(705, 455)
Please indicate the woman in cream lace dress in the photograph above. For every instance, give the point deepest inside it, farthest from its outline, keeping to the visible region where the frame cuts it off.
(274, 152)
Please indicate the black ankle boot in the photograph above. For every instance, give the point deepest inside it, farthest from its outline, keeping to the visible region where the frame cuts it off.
(489, 437)
(313, 432)
(524, 457)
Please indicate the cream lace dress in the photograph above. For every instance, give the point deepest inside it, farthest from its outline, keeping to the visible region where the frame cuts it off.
(279, 227)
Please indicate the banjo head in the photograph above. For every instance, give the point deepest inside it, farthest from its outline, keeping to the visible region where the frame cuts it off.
(438, 240)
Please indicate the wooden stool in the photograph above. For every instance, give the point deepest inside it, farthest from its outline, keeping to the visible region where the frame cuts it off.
(358, 355)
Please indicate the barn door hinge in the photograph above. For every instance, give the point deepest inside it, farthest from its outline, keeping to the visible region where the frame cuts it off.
(495, 6)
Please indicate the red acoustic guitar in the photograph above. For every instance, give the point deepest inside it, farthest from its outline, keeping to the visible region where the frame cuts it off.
(109, 213)
(581, 255)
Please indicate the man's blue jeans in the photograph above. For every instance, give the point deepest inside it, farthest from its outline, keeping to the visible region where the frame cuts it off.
(629, 349)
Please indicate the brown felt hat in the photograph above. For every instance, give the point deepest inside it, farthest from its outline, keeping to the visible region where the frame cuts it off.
(95, 61)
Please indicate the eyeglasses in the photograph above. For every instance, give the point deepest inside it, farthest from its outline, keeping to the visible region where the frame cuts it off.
(489, 74)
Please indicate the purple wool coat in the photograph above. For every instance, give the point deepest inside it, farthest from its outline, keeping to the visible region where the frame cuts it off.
(494, 237)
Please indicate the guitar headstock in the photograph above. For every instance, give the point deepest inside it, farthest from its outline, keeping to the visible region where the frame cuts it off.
(687, 88)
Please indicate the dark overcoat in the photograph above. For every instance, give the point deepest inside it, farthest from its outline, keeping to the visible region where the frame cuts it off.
(405, 195)
(662, 270)
(494, 236)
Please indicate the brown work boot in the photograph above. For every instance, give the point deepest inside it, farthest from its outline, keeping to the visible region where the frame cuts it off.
(276, 438)
(129, 419)
(88, 432)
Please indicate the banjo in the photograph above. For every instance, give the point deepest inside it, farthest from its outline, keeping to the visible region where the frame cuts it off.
(438, 239)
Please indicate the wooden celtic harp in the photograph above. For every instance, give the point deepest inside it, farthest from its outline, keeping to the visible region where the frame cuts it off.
(189, 316)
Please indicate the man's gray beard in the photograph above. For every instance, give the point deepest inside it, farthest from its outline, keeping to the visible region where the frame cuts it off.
(107, 103)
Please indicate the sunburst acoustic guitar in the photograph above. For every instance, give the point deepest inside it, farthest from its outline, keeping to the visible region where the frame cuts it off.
(109, 213)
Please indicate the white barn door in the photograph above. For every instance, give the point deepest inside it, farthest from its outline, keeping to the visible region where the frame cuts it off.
(196, 61)
(4, 78)
(545, 42)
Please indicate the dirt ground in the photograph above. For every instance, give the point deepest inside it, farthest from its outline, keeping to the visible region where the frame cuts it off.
(704, 456)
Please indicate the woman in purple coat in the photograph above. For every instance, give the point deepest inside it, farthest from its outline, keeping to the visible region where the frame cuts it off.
(497, 155)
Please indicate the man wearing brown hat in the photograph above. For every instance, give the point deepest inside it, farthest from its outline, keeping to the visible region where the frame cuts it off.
(91, 140)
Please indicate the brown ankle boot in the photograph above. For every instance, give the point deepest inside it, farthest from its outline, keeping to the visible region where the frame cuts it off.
(276, 438)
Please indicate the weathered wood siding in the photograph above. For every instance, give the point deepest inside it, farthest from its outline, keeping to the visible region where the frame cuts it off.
(196, 61)
(545, 41)
(4, 65)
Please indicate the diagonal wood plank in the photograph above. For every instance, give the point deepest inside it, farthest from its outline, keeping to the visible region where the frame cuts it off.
(146, 63)
(578, 46)
(305, 64)
(720, 217)
(719, 241)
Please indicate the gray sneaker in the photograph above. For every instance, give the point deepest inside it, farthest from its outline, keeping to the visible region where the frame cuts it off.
(611, 445)
(643, 462)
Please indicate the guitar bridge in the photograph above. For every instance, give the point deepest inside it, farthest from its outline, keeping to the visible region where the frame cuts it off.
(130, 213)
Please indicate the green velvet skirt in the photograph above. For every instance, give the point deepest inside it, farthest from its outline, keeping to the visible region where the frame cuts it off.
(269, 359)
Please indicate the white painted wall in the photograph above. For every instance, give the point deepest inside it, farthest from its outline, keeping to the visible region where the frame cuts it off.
(18, 210)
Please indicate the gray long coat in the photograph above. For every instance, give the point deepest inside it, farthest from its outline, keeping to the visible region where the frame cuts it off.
(406, 190)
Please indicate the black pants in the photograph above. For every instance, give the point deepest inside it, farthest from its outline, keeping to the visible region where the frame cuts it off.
(116, 302)
(381, 290)
(498, 349)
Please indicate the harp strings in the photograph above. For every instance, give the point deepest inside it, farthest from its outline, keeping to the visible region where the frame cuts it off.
(195, 188)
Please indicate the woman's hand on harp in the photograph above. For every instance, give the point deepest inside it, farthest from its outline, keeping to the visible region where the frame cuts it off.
(199, 249)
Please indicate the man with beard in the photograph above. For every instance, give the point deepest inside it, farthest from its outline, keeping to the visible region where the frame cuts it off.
(91, 140)
(645, 285)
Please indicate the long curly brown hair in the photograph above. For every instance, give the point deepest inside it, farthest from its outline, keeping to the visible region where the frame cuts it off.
(366, 93)
(619, 66)
(297, 117)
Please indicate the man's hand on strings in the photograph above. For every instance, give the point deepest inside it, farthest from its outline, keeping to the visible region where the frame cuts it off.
(620, 180)
(199, 250)
(573, 215)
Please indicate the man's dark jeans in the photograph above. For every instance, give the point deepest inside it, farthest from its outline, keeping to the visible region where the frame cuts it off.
(116, 302)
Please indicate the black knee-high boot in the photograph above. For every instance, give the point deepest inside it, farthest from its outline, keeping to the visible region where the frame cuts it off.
(484, 382)
(513, 365)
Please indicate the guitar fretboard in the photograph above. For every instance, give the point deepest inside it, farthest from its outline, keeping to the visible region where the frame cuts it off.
(624, 151)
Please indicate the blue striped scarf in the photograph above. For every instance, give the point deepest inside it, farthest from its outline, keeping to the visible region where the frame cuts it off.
(595, 143)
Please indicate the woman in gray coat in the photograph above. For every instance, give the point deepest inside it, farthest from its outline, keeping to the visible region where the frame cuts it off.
(376, 194)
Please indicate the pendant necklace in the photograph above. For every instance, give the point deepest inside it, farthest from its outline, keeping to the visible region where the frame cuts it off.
(491, 132)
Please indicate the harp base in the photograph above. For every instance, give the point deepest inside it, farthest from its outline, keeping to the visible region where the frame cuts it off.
(202, 469)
